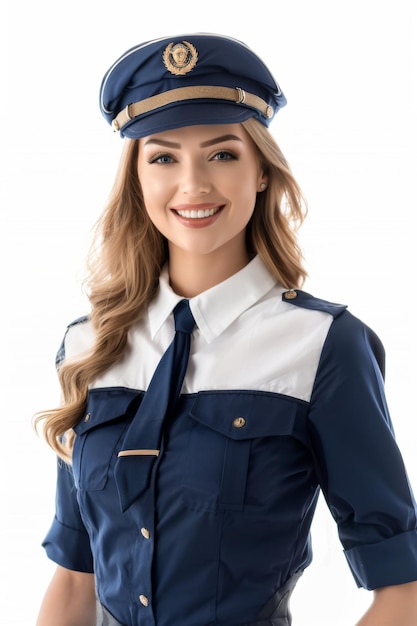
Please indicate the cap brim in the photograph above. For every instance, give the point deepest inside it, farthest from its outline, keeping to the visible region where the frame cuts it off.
(188, 114)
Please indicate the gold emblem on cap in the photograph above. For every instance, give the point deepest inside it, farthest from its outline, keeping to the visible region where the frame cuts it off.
(180, 58)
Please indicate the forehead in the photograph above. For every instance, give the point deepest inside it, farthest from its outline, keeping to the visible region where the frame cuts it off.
(200, 134)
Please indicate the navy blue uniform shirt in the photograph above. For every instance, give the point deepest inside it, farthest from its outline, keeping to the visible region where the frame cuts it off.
(283, 396)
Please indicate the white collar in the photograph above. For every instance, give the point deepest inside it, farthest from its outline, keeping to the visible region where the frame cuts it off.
(215, 309)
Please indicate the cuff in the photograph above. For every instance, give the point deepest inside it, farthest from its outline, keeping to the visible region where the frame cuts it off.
(389, 562)
(69, 548)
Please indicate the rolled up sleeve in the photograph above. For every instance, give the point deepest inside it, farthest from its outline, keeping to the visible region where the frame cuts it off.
(67, 541)
(390, 560)
(359, 464)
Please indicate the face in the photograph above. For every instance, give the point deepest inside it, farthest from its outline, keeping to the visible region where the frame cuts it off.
(199, 185)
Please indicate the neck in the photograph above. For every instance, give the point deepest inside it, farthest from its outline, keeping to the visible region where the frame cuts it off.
(191, 274)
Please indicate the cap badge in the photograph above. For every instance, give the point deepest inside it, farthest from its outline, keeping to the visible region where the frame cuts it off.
(180, 58)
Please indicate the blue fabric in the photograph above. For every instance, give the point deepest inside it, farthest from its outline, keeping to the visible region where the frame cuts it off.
(229, 503)
(140, 73)
(132, 472)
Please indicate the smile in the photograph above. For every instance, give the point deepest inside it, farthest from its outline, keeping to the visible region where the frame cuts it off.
(196, 214)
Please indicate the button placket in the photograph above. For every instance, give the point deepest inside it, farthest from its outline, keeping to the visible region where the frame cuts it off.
(142, 556)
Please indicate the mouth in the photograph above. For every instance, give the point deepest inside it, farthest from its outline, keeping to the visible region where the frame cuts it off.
(198, 214)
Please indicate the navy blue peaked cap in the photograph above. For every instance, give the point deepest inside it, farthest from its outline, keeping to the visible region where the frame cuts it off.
(186, 80)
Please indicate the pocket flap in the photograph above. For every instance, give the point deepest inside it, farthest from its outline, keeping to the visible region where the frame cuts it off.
(245, 414)
(106, 405)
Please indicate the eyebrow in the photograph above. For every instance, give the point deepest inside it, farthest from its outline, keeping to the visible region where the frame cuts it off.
(204, 144)
(211, 142)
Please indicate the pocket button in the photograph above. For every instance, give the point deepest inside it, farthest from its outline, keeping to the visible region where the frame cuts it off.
(239, 422)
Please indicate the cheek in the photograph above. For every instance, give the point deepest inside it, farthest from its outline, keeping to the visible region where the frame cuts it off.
(154, 196)
(152, 189)
(245, 192)
(152, 184)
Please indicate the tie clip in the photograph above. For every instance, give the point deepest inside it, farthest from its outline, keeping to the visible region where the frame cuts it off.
(138, 453)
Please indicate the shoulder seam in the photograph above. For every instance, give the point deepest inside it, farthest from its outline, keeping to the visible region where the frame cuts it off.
(305, 300)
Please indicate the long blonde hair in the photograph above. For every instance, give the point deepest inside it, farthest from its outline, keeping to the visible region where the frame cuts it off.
(126, 258)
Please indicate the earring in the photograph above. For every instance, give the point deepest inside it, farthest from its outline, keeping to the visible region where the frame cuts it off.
(262, 186)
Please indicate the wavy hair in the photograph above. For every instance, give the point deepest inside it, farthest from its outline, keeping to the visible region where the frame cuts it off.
(126, 258)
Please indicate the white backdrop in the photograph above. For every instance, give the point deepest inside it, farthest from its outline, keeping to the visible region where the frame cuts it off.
(348, 70)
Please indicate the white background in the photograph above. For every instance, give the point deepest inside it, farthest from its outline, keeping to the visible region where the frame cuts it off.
(348, 70)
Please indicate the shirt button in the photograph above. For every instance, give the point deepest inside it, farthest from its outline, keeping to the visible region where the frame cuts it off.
(144, 600)
(239, 422)
(145, 533)
(87, 417)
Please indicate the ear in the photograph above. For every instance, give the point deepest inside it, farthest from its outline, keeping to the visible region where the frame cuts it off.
(263, 180)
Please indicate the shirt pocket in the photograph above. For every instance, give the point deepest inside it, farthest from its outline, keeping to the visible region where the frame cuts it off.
(233, 435)
(107, 416)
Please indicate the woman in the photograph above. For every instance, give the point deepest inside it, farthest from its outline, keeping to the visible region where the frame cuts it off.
(197, 512)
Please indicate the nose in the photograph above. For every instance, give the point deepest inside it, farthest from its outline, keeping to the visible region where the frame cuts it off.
(194, 180)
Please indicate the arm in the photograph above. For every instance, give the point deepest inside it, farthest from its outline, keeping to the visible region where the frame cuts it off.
(70, 600)
(392, 606)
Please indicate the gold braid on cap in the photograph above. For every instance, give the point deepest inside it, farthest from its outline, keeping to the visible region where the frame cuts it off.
(236, 95)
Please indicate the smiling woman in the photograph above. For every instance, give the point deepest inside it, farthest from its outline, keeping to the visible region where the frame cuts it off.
(200, 193)
(207, 399)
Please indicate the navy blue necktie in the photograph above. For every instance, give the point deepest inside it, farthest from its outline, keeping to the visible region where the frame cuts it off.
(142, 441)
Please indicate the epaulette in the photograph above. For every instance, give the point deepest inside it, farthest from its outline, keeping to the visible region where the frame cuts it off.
(305, 300)
(60, 355)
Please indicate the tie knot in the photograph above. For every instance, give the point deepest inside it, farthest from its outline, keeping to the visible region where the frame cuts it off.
(184, 320)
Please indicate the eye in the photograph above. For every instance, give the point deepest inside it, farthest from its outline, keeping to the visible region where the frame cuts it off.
(162, 158)
(224, 155)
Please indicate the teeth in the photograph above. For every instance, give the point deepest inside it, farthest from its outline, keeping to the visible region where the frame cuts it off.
(193, 214)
